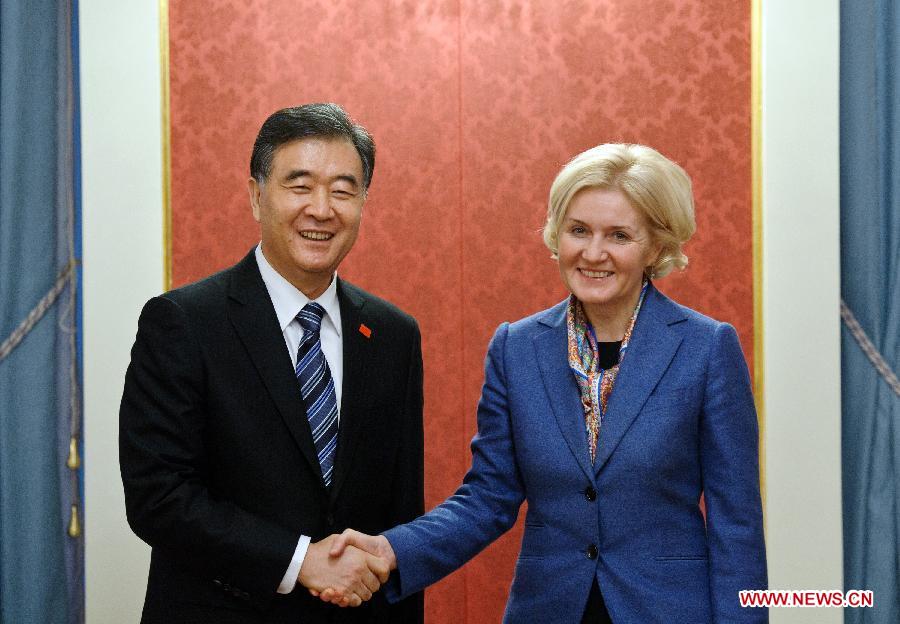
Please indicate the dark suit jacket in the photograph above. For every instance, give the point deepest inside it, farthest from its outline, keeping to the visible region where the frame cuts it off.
(219, 467)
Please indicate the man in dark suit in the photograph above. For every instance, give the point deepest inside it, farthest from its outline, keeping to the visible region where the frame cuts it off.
(272, 404)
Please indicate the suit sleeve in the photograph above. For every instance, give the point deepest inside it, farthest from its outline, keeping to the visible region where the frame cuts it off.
(729, 454)
(484, 507)
(162, 423)
(408, 491)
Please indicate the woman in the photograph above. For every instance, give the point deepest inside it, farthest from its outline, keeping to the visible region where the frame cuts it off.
(610, 413)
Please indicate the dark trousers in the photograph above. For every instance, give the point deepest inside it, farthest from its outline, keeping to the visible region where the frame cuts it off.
(595, 611)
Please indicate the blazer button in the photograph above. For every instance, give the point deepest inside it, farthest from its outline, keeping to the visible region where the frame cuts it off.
(592, 552)
(590, 493)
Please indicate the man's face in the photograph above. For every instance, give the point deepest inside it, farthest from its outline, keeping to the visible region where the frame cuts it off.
(309, 210)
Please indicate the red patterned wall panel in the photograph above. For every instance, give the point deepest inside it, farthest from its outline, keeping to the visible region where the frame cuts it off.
(474, 106)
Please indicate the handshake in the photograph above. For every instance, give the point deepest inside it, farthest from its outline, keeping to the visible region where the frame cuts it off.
(347, 569)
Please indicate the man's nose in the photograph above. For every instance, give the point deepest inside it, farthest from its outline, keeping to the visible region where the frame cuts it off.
(320, 205)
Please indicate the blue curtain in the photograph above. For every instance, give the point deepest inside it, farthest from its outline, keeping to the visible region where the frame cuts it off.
(41, 549)
(870, 292)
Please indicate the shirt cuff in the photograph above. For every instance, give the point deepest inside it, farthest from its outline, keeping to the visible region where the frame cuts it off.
(290, 577)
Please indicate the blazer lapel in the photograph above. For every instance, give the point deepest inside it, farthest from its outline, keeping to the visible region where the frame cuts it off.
(653, 345)
(255, 322)
(551, 353)
(355, 395)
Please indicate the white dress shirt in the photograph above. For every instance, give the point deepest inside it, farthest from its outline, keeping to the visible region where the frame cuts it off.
(288, 301)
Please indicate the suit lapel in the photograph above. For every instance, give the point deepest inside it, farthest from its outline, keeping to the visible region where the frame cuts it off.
(551, 351)
(355, 397)
(255, 322)
(653, 345)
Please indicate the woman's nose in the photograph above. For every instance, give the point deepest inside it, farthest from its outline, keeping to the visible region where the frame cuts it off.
(596, 250)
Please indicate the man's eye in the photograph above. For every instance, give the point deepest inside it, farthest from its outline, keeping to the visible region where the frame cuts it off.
(342, 193)
(300, 188)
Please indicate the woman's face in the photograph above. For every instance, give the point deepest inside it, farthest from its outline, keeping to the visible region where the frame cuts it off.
(604, 245)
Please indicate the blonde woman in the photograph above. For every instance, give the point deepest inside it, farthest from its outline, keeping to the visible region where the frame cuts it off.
(610, 413)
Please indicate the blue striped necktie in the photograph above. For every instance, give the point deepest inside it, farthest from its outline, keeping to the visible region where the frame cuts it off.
(317, 388)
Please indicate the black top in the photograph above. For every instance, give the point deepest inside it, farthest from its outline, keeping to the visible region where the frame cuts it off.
(608, 354)
(595, 612)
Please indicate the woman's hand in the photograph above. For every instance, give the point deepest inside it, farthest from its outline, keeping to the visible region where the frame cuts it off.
(376, 545)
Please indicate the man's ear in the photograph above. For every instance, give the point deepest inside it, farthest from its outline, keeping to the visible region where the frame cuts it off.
(255, 190)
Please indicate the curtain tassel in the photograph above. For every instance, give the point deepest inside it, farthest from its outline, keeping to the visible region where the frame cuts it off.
(74, 461)
(74, 524)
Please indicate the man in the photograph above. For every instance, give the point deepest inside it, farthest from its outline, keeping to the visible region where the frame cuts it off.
(273, 404)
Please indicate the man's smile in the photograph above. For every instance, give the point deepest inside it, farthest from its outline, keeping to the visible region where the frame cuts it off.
(315, 235)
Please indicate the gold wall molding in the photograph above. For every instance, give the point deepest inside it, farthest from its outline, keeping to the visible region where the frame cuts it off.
(756, 186)
(166, 142)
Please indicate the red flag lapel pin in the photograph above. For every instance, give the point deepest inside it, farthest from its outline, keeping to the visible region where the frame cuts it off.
(365, 331)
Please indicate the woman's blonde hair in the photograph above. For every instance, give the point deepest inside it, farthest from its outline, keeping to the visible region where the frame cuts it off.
(655, 186)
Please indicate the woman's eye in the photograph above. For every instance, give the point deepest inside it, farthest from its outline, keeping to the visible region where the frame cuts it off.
(620, 236)
(578, 229)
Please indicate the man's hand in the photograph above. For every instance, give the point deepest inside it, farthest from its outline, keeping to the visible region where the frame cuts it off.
(349, 540)
(353, 576)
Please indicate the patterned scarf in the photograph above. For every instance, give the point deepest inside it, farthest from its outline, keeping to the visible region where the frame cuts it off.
(595, 383)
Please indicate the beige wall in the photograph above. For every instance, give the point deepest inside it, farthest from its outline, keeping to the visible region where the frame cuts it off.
(122, 219)
(801, 294)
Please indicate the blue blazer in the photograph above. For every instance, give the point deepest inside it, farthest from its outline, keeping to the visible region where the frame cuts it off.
(680, 422)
